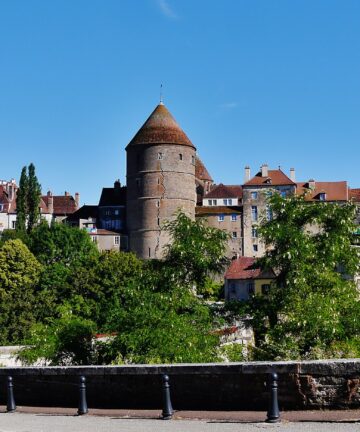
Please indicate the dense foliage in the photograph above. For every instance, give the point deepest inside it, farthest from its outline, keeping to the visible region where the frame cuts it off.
(313, 308)
(151, 309)
(28, 200)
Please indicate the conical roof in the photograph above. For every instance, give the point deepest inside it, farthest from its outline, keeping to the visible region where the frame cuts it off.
(160, 128)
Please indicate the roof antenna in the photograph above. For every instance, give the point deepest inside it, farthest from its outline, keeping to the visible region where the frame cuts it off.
(161, 95)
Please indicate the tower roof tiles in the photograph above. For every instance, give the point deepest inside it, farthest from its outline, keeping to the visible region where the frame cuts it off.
(160, 128)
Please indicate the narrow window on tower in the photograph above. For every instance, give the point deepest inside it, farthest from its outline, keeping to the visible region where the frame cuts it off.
(193, 160)
(158, 180)
(158, 221)
(149, 253)
(157, 203)
(180, 156)
(160, 156)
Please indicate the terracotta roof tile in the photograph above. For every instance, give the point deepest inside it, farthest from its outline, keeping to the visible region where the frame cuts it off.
(215, 210)
(160, 128)
(335, 191)
(245, 268)
(201, 172)
(62, 204)
(354, 194)
(225, 191)
(274, 178)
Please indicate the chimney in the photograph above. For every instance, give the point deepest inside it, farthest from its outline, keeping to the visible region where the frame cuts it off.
(117, 184)
(247, 174)
(292, 174)
(311, 184)
(50, 203)
(77, 199)
(67, 193)
(264, 170)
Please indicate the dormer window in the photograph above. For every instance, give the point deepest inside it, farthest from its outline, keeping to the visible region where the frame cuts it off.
(322, 196)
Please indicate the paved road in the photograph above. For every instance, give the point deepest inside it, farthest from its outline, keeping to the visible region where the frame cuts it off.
(25, 422)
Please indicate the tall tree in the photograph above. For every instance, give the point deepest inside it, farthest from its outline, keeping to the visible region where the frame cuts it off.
(19, 275)
(314, 308)
(21, 201)
(28, 200)
(33, 198)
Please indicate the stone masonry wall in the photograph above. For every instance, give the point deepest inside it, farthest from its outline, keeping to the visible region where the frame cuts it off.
(220, 386)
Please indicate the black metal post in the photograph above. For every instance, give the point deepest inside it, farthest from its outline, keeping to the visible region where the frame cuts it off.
(167, 411)
(273, 414)
(83, 408)
(10, 406)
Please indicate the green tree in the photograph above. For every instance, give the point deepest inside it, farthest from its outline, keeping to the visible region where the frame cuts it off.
(313, 307)
(19, 275)
(28, 200)
(33, 198)
(159, 318)
(196, 251)
(21, 201)
(67, 340)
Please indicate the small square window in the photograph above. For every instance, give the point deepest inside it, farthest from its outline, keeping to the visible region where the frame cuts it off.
(233, 217)
(234, 234)
(254, 195)
(221, 218)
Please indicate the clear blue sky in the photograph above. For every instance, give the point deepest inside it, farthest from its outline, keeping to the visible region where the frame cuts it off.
(250, 82)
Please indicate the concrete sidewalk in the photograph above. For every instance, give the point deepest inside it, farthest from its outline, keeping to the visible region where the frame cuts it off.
(333, 416)
(148, 421)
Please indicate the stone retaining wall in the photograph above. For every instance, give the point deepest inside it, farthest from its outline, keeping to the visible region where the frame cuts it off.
(218, 386)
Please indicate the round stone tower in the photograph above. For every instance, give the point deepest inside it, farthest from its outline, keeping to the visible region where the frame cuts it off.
(160, 180)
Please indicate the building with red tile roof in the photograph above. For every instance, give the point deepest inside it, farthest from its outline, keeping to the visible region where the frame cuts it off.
(323, 191)
(244, 278)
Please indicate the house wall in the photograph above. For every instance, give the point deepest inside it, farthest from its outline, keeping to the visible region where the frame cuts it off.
(238, 289)
(234, 244)
(250, 242)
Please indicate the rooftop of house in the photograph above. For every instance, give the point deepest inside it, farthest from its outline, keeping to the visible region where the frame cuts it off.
(225, 191)
(112, 197)
(323, 191)
(84, 212)
(354, 194)
(245, 268)
(266, 177)
(216, 210)
(62, 204)
(201, 172)
(102, 232)
(160, 128)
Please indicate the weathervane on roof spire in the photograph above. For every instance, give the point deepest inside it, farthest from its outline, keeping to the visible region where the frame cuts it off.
(161, 95)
